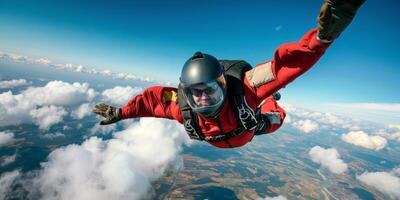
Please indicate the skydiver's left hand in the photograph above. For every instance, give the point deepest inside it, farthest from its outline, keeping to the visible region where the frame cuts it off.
(112, 114)
(263, 124)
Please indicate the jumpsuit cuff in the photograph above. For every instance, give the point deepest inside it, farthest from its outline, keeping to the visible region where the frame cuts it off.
(124, 114)
(311, 41)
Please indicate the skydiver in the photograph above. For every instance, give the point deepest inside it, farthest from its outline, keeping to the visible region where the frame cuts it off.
(227, 102)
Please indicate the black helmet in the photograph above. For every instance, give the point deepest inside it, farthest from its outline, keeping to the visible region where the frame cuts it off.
(203, 84)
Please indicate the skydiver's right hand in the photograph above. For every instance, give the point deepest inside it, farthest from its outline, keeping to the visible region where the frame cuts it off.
(335, 16)
(111, 113)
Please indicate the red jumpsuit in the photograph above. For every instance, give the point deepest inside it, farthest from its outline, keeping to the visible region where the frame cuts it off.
(290, 61)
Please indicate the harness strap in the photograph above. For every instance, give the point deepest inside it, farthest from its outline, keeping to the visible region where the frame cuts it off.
(190, 120)
(245, 114)
(225, 137)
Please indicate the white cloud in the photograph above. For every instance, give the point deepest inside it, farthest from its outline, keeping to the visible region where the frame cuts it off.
(388, 183)
(288, 119)
(22, 108)
(391, 132)
(53, 135)
(6, 160)
(82, 111)
(360, 138)
(288, 107)
(328, 158)
(397, 126)
(396, 171)
(59, 93)
(103, 130)
(391, 107)
(280, 197)
(106, 72)
(278, 28)
(306, 126)
(330, 118)
(120, 168)
(14, 109)
(320, 117)
(6, 180)
(23, 59)
(79, 125)
(47, 116)
(127, 122)
(328, 122)
(120, 95)
(43, 61)
(6, 138)
(66, 127)
(13, 83)
(74, 68)
(14, 57)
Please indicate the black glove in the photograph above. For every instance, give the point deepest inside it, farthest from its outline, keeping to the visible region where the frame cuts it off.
(111, 113)
(334, 16)
(263, 122)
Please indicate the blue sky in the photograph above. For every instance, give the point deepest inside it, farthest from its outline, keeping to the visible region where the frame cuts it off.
(155, 38)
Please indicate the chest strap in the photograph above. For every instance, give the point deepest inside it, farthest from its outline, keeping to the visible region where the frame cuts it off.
(225, 137)
(246, 122)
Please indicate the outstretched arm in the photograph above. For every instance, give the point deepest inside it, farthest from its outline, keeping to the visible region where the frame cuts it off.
(155, 101)
(293, 59)
(290, 61)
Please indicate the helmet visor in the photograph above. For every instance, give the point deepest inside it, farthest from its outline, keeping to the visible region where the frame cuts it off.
(206, 98)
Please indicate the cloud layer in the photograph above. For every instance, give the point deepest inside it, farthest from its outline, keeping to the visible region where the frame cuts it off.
(328, 158)
(360, 138)
(311, 121)
(72, 67)
(385, 113)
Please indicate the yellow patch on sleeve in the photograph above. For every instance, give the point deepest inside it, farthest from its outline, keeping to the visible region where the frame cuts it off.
(169, 96)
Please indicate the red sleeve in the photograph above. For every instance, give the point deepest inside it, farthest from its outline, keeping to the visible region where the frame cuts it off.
(274, 113)
(290, 61)
(155, 101)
